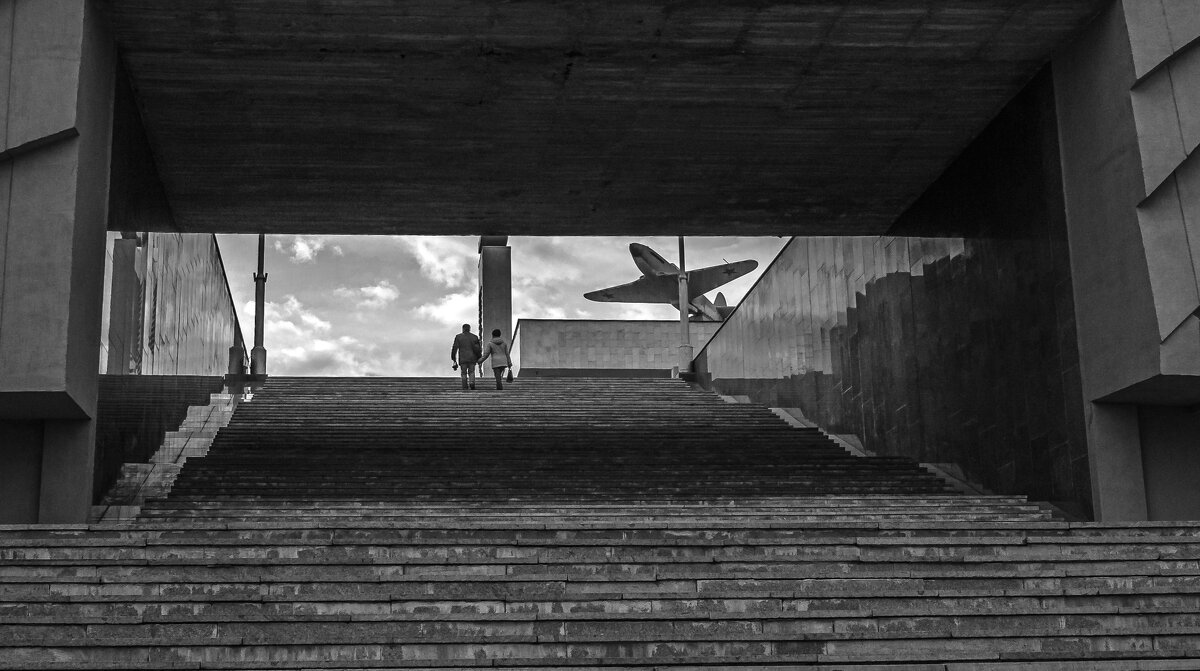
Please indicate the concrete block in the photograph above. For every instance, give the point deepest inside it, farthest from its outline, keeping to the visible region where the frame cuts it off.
(35, 318)
(1180, 351)
(1185, 81)
(44, 79)
(21, 452)
(1159, 135)
(7, 12)
(1169, 258)
(1149, 35)
(1187, 182)
(1183, 23)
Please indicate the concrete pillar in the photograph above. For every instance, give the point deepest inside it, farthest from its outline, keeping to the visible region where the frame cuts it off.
(58, 70)
(258, 355)
(1115, 461)
(237, 353)
(125, 308)
(495, 286)
(685, 337)
(1127, 95)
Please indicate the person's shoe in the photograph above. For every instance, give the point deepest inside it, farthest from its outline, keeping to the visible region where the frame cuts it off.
(499, 386)
(464, 385)
(472, 386)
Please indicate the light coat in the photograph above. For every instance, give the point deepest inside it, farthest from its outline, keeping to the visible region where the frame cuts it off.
(498, 347)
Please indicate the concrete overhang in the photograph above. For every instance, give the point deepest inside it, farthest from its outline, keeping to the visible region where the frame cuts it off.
(570, 117)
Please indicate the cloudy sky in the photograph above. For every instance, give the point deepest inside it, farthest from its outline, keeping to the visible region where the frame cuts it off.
(376, 305)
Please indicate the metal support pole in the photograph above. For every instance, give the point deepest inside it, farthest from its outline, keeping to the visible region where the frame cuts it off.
(685, 347)
(258, 355)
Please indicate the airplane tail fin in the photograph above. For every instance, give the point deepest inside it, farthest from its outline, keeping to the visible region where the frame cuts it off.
(720, 302)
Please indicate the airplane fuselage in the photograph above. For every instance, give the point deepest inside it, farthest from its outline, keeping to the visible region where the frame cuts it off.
(650, 263)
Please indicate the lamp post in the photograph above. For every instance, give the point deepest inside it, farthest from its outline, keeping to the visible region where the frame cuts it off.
(685, 347)
(258, 355)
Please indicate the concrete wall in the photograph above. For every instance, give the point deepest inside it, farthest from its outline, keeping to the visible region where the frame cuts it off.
(1134, 232)
(59, 68)
(944, 349)
(597, 346)
(134, 414)
(56, 144)
(1128, 94)
(495, 287)
(1170, 439)
(189, 318)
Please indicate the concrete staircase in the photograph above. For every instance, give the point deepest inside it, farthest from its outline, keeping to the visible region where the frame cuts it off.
(375, 523)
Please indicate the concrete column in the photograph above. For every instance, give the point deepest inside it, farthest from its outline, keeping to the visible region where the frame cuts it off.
(1115, 460)
(685, 338)
(1127, 93)
(55, 134)
(258, 355)
(495, 286)
(125, 307)
(237, 354)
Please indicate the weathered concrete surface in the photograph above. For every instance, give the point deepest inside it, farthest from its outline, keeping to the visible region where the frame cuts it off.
(1127, 98)
(1171, 461)
(1115, 458)
(599, 347)
(1102, 183)
(61, 66)
(21, 454)
(1126, 95)
(549, 117)
(40, 54)
(495, 290)
(54, 221)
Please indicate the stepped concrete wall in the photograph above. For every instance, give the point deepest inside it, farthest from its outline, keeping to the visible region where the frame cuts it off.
(135, 412)
(946, 349)
(564, 347)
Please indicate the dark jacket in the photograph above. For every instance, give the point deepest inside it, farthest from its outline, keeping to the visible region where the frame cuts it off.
(465, 348)
(498, 347)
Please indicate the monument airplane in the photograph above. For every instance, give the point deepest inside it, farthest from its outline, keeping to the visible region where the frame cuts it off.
(659, 283)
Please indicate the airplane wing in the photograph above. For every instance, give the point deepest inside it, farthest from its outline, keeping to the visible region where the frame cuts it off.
(705, 280)
(645, 289)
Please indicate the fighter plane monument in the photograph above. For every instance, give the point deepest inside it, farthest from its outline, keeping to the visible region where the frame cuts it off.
(631, 347)
(659, 283)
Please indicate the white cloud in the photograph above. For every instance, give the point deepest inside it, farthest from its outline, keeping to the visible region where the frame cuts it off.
(300, 342)
(536, 301)
(303, 248)
(447, 261)
(371, 297)
(452, 309)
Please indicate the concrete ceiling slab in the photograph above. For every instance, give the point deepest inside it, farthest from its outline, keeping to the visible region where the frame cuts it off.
(562, 117)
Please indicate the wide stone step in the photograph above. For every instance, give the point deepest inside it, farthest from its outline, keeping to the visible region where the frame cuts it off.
(345, 605)
(237, 652)
(900, 551)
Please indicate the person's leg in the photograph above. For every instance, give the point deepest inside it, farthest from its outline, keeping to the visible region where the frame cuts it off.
(499, 373)
(462, 372)
(469, 376)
